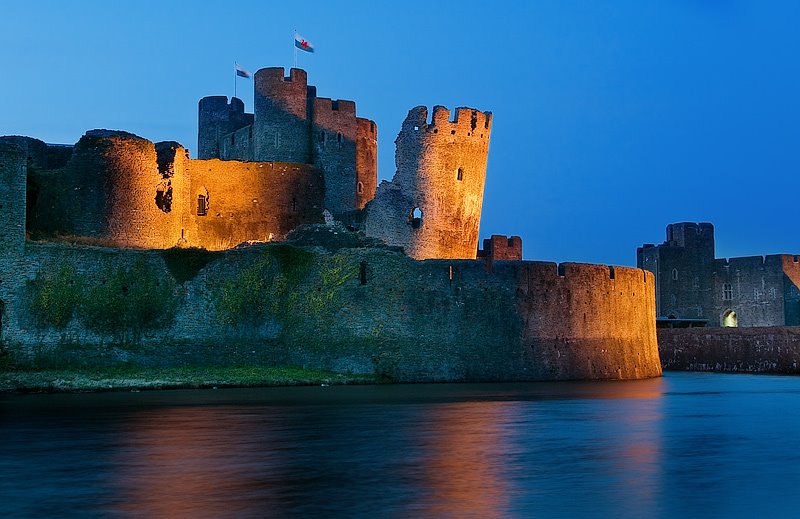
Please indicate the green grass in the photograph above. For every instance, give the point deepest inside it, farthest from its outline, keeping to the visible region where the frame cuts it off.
(127, 378)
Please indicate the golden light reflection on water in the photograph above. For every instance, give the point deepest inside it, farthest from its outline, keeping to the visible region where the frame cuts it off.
(461, 467)
(186, 462)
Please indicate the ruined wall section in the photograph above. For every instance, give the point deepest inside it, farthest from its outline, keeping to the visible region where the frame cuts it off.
(366, 161)
(218, 118)
(13, 173)
(230, 202)
(282, 127)
(791, 289)
(589, 321)
(335, 136)
(432, 207)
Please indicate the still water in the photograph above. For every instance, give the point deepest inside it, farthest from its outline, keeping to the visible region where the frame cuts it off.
(703, 445)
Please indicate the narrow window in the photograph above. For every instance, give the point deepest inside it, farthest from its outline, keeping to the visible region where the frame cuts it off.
(294, 205)
(362, 275)
(360, 188)
(675, 274)
(339, 139)
(727, 292)
(202, 207)
(460, 174)
(233, 139)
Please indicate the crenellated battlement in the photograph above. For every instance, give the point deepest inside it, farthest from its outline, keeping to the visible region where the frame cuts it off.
(466, 122)
(334, 105)
(277, 75)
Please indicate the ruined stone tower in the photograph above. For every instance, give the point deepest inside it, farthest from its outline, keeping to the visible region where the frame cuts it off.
(432, 206)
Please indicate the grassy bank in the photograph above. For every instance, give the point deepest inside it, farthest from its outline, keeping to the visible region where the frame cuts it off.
(131, 378)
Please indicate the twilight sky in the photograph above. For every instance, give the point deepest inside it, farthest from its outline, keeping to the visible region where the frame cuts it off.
(611, 118)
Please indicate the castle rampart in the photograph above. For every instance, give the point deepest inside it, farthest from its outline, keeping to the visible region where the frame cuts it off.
(432, 207)
(357, 309)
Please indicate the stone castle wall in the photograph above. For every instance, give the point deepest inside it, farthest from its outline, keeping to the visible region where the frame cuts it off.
(363, 310)
(249, 201)
(432, 206)
(774, 349)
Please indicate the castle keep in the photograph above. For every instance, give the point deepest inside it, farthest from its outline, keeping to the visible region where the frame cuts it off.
(693, 285)
(121, 250)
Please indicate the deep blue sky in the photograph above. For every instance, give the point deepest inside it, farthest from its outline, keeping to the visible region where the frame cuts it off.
(611, 118)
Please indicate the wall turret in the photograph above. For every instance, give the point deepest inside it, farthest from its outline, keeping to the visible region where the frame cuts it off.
(282, 128)
(432, 207)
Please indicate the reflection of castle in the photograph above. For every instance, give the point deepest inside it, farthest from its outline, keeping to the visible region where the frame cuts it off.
(694, 287)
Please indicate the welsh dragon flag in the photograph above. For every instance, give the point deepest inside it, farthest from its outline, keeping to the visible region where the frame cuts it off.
(302, 43)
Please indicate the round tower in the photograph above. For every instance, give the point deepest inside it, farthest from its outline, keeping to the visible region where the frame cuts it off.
(119, 183)
(13, 173)
(432, 207)
(282, 131)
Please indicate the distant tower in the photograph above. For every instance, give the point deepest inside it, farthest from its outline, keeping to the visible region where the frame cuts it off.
(13, 173)
(282, 127)
(217, 118)
(432, 207)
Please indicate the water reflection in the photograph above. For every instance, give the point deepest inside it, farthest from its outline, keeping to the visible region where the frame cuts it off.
(681, 445)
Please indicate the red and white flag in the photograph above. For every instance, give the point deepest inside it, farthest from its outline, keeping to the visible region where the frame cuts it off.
(240, 71)
(302, 43)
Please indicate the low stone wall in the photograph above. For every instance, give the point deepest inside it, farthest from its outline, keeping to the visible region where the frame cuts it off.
(751, 350)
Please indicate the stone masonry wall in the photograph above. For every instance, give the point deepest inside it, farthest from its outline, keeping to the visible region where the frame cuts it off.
(281, 131)
(249, 201)
(432, 207)
(362, 310)
(773, 349)
(13, 160)
(334, 135)
(366, 161)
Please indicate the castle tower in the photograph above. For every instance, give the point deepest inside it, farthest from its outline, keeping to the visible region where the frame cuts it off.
(366, 161)
(432, 207)
(217, 118)
(282, 127)
(13, 172)
(120, 183)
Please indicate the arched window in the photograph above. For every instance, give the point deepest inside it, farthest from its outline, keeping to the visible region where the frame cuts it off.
(675, 274)
(202, 205)
(729, 319)
(360, 187)
(415, 218)
(339, 139)
(460, 174)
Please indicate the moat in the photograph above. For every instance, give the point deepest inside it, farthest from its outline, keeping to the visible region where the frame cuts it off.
(687, 444)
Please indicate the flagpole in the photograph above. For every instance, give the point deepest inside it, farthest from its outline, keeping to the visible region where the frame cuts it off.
(234, 79)
(294, 38)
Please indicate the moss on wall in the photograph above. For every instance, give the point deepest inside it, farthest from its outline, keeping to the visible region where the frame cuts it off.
(123, 299)
(55, 296)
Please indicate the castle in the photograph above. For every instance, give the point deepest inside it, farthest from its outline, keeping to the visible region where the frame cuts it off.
(258, 176)
(119, 250)
(694, 287)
